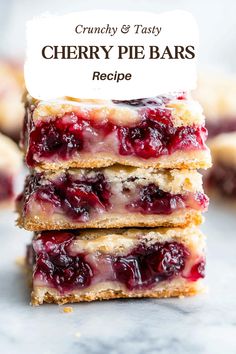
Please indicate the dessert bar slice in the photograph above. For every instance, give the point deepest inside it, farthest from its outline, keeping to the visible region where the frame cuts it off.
(216, 93)
(11, 90)
(69, 266)
(10, 162)
(165, 132)
(222, 176)
(111, 197)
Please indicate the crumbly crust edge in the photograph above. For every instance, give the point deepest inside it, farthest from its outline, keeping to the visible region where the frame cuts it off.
(173, 181)
(191, 217)
(182, 291)
(184, 112)
(199, 159)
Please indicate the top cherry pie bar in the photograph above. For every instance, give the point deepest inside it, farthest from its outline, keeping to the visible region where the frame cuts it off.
(161, 132)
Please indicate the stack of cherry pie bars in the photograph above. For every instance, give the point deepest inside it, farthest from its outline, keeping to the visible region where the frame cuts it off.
(114, 198)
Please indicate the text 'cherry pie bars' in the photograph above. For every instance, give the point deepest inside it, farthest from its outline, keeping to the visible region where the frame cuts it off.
(126, 173)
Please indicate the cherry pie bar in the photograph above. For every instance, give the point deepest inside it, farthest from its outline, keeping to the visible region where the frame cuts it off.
(216, 93)
(111, 197)
(222, 176)
(74, 266)
(10, 162)
(11, 90)
(162, 132)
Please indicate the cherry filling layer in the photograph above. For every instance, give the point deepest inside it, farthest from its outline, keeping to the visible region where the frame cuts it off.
(223, 178)
(152, 200)
(81, 199)
(153, 136)
(56, 264)
(75, 198)
(218, 126)
(6, 187)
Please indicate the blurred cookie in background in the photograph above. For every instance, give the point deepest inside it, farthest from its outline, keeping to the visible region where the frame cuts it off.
(10, 165)
(11, 106)
(217, 94)
(222, 176)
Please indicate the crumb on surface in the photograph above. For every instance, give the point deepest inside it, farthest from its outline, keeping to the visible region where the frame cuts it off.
(68, 309)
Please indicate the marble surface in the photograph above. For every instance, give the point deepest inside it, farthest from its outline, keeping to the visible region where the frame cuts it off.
(203, 324)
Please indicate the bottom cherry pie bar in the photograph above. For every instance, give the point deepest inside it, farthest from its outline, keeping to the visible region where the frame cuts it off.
(74, 266)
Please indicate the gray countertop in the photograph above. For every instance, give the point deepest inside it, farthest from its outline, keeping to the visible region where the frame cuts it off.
(202, 324)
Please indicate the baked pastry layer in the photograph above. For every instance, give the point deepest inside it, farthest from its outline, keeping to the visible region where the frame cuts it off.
(111, 197)
(10, 162)
(89, 265)
(108, 292)
(165, 132)
(184, 111)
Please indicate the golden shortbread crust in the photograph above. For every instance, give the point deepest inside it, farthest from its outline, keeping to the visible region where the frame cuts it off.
(178, 160)
(190, 289)
(108, 220)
